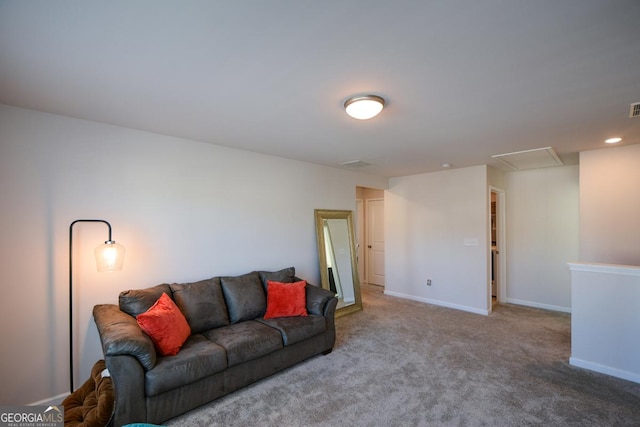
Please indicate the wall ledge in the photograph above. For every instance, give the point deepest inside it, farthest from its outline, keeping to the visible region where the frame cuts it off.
(596, 267)
(604, 319)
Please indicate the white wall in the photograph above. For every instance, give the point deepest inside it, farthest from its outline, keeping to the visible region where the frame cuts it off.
(496, 177)
(428, 219)
(184, 210)
(610, 205)
(542, 224)
(431, 215)
(605, 319)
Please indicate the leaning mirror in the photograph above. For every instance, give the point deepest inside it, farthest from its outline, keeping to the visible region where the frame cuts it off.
(338, 262)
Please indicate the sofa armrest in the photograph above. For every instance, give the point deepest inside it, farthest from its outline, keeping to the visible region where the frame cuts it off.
(120, 334)
(317, 299)
(330, 316)
(128, 378)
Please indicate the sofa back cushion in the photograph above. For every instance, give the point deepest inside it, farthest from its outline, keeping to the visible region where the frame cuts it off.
(202, 304)
(286, 275)
(138, 301)
(245, 296)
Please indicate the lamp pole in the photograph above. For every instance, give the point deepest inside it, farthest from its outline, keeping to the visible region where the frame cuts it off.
(113, 262)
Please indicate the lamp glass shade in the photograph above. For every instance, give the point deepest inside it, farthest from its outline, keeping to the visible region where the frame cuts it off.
(364, 107)
(109, 256)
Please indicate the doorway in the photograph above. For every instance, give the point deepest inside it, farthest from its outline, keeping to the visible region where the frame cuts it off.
(370, 235)
(497, 287)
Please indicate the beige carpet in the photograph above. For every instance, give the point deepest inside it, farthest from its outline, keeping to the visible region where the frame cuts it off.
(404, 363)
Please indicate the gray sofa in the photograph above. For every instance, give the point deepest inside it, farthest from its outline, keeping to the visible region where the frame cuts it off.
(231, 344)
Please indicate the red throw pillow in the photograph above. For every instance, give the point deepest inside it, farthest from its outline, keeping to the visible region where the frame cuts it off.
(286, 299)
(166, 325)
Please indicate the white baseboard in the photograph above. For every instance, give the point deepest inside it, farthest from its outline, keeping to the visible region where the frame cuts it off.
(439, 303)
(55, 400)
(539, 305)
(603, 369)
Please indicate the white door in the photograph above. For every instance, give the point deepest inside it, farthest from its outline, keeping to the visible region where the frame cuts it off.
(375, 241)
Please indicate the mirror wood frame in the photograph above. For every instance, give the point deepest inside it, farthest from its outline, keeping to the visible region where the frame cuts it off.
(320, 216)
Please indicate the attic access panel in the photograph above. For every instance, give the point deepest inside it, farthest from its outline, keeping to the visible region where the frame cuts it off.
(530, 159)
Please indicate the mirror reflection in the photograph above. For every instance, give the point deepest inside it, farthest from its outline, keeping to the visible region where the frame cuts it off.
(338, 262)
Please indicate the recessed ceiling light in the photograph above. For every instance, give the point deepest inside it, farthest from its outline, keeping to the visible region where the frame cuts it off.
(363, 107)
(613, 140)
(446, 165)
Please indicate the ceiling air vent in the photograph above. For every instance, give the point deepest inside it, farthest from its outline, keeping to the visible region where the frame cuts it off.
(355, 164)
(634, 111)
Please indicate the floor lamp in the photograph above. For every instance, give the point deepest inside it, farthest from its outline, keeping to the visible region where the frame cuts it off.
(109, 257)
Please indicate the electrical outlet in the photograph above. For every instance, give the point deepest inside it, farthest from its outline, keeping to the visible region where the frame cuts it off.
(428, 282)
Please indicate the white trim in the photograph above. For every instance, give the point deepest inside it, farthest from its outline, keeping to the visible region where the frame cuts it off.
(603, 369)
(596, 267)
(55, 400)
(539, 305)
(439, 303)
(360, 225)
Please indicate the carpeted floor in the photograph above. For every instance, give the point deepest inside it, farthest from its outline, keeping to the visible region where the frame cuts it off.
(404, 363)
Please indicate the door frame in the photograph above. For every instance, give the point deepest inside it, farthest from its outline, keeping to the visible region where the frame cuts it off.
(501, 229)
(360, 241)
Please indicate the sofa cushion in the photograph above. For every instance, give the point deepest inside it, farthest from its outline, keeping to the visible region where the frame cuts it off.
(246, 340)
(295, 329)
(202, 304)
(286, 275)
(138, 301)
(244, 296)
(286, 299)
(199, 358)
(166, 325)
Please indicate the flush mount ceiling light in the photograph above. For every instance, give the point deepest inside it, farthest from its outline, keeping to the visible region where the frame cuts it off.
(363, 107)
(613, 140)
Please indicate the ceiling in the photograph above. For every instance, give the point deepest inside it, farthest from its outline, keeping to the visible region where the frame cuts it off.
(463, 79)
